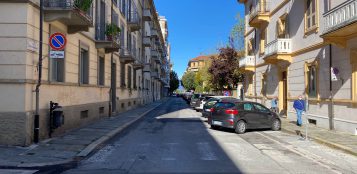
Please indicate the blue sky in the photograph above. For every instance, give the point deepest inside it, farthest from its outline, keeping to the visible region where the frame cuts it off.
(197, 27)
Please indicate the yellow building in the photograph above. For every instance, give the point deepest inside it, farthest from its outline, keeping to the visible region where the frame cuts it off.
(99, 73)
(198, 62)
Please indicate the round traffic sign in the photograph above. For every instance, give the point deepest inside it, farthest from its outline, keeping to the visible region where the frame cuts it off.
(57, 41)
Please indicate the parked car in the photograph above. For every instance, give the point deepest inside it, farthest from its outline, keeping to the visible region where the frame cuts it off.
(206, 110)
(240, 116)
(196, 99)
(199, 104)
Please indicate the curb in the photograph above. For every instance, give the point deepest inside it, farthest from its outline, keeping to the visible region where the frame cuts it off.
(87, 150)
(325, 142)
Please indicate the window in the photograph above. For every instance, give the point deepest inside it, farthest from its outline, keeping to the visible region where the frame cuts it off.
(264, 85)
(57, 70)
(247, 107)
(310, 15)
(101, 72)
(262, 41)
(84, 67)
(282, 27)
(122, 74)
(312, 80)
(260, 108)
(129, 77)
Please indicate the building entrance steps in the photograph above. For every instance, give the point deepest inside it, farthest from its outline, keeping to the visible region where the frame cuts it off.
(335, 139)
(73, 145)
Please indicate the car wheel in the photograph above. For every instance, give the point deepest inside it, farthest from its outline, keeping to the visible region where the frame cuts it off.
(276, 125)
(241, 127)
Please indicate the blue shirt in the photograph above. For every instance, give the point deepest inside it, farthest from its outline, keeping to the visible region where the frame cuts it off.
(299, 104)
(274, 103)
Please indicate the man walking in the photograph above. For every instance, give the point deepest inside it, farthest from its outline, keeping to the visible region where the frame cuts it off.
(274, 104)
(299, 106)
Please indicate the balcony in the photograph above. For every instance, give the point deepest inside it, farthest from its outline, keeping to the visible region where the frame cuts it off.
(147, 15)
(154, 33)
(154, 53)
(133, 21)
(278, 51)
(147, 67)
(340, 23)
(107, 42)
(259, 14)
(155, 74)
(138, 65)
(77, 16)
(247, 63)
(146, 41)
(127, 55)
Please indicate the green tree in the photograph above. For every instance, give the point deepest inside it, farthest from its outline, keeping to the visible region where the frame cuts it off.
(188, 81)
(203, 78)
(174, 81)
(237, 33)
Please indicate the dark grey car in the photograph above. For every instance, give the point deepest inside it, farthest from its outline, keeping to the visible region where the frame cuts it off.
(241, 116)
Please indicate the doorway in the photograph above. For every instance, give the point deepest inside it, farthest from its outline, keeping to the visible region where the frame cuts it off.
(283, 93)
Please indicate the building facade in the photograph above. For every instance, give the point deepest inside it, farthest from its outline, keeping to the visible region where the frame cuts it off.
(196, 63)
(100, 73)
(293, 48)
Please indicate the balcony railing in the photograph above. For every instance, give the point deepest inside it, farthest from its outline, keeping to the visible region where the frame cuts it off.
(154, 32)
(260, 8)
(279, 46)
(247, 61)
(147, 15)
(127, 55)
(109, 43)
(147, 67)
(133, 20)
(77, 15)
(146, 41)
(340, 16)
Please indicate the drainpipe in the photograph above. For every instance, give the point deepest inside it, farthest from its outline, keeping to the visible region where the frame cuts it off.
(331, 113)
(255, 74)
(37, 90)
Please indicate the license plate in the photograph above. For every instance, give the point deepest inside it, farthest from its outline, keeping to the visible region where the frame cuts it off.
(217, 123)
(208, 110)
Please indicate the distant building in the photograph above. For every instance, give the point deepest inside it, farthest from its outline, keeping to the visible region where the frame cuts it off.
(198, 62)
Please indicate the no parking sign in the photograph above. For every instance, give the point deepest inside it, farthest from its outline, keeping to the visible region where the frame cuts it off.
(57, 41)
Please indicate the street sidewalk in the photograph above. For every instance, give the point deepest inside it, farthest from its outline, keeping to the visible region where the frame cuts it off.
(74, 144)
(338, 140)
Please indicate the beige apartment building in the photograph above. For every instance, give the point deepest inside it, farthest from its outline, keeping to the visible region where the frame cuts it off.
(292, 47)
(100, 73)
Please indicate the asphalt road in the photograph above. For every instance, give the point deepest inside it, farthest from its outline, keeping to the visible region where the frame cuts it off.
(176, 139)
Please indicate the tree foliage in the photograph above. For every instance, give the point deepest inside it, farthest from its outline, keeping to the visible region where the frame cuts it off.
(224, 69)
(188, 80)
(237, 33)
(174, 81)
(203, 78)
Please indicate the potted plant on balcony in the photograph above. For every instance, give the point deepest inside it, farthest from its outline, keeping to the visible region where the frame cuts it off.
(83, 5)
(112, 31)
